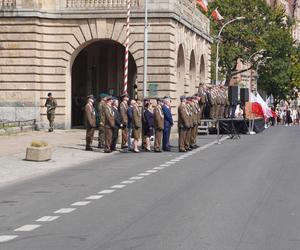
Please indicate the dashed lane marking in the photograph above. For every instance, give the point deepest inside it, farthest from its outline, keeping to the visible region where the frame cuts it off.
(164, 165)
(27, 228)
(5, 238)
(107, 191)
(81, 203)
(94, 197)
(128, 182)
(170, 162)
(136, 178)
(175, 160)
(118, 186)
(47, 218)
(144, 174)
(152, 171)
(65, 210)
(159, 168)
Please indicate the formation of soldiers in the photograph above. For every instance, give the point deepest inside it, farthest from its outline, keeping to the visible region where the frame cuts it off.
(140, 120)
(214, 101)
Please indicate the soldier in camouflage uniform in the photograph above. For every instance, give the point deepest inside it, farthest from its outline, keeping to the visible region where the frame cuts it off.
(51, 105)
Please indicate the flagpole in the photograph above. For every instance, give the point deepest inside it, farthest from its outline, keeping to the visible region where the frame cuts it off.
(145, 50)
(127, 47)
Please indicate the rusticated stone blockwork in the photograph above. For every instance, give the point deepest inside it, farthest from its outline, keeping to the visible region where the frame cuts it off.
(74, 48)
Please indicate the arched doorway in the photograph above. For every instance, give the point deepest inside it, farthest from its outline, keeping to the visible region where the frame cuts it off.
(192, 72)
(180, 71)
(99, 67)
(202, 70)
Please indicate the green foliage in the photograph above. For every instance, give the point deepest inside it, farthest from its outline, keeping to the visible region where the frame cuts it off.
(263, 28)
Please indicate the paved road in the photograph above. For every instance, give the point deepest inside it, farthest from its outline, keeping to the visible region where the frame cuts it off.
(241, 195)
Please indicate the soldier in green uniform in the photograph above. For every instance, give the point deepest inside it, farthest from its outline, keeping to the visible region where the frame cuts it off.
(183, 124)
(101, 113)
(51, 105)
(90, 122)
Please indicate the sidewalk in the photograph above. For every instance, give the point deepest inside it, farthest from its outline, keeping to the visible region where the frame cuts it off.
(68, 150)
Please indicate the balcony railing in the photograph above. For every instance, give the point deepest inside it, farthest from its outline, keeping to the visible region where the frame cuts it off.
(7, 4)
(92, 4)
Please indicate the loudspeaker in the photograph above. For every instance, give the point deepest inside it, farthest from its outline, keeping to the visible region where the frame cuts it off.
(244, 96)
(233, 95)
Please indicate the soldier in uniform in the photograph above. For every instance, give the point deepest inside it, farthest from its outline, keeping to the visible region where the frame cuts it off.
(183, 123)
(51, 105)
(101, 113)
(158, 117)
(124, 119)
(202, 100)
(118, 124)
(109, 124)
(136, 124)
(189, 106)
(196, 121)
(90, 122)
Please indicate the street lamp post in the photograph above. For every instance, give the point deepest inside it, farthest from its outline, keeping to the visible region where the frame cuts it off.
(218, 43)
(145, 50)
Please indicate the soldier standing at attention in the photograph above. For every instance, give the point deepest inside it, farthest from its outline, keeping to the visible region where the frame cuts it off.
(118, 124)
(124, 120)
(158, 119)
(51, 105)
(136, 124)
(168, 123)
(109, 124)
(195, 111)
(101, 112)
(183, 123)
(90, 122)
(191, 123)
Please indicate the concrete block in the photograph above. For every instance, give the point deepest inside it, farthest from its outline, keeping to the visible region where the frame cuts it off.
(13, 130)
(2, 132)
(39, 154)
(27, 128)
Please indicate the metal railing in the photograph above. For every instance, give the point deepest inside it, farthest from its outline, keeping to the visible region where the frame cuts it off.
(98, 4)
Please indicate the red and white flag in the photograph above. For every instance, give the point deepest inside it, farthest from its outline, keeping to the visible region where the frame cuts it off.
(216, 15)
(203, 4)
(263, 109)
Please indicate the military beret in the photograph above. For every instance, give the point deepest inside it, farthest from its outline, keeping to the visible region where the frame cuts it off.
(101, 95)
(109, 97)
(49, 94)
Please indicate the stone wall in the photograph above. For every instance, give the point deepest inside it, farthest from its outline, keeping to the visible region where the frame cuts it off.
(36, 57)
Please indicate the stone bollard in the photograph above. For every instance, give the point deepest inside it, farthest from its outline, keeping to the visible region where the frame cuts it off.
(38, 151)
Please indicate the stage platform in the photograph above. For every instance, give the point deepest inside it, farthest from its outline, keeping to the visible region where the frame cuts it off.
(240, 125)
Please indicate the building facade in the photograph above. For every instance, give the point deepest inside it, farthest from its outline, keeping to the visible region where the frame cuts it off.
(73, 48)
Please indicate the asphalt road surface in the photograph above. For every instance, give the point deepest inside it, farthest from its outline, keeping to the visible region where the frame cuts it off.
(241, 195)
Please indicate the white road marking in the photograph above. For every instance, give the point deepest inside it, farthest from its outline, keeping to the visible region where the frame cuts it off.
(159, 168)
(151, 171)
(81, 203)
(164, 165)
(27, 228)
(5, 238)
(94, 197)
(65, 210)
(175, 160)
(170, 162)
(144, 174)
(118, 186)
(127, 182)
(107, 191)
(47, 218)
(136, 178)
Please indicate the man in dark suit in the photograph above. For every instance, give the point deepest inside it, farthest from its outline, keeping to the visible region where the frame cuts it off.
(168, 123)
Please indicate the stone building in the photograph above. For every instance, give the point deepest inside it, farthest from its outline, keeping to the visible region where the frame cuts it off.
(76, 47)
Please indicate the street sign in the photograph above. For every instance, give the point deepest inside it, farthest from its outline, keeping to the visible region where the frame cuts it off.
(153, 89)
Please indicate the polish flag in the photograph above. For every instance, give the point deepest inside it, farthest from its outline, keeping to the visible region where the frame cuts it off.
(216, 15)
(203, 4)
(258, 101)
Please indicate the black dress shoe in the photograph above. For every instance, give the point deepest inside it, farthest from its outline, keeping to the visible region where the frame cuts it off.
(157, 151)
(89, 149)
(167, 149)
(182, 150)
(107, 151)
